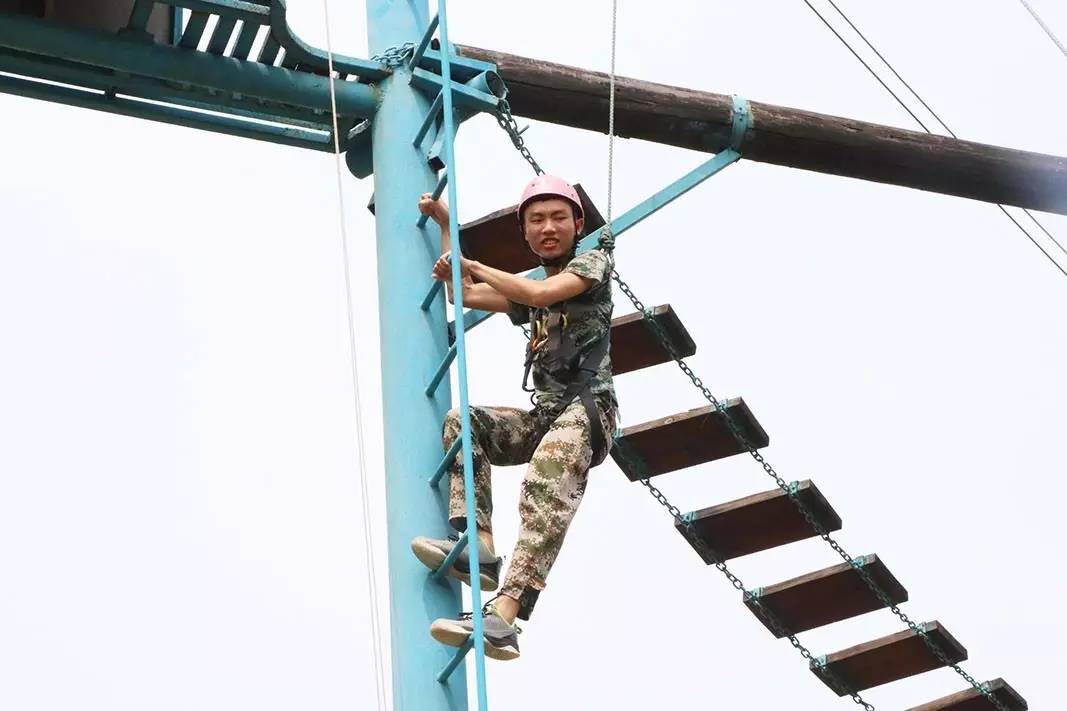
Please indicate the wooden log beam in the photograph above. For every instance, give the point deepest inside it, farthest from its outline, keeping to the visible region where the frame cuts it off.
(700, 120)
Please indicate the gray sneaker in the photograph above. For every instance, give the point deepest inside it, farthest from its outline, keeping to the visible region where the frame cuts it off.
(432, 552)
(501, 639)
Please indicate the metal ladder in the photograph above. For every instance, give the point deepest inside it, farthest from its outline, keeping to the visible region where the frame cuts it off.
(442, 110)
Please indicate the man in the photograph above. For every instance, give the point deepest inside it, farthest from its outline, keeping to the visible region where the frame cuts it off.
(568, 431)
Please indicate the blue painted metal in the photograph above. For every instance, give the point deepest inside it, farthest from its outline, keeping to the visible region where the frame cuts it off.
(247, 11)
(296, 50)
(268, 53)
(245, 40)
(142, 10)
(741, 122)
(220, 36)
(194, 30)
(104, 80)
(463, 68)
(453, 554)
(427, 37)
(461, 346)
(445, 673)
(412, 343)
(120, 54)
(635, 215)
(465, 96)
(431, 118)
(296, 137)
(176, 16)
(357, 147)
(450, 456)
(438, 190)
(435, 289)
(441, 371)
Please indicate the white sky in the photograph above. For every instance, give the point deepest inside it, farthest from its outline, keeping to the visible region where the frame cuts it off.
(179, 514)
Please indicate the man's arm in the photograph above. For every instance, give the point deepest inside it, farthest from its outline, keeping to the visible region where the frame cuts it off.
(475, 296)
(532, 292)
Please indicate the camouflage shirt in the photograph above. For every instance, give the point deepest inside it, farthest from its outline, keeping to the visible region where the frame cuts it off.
(586, 326)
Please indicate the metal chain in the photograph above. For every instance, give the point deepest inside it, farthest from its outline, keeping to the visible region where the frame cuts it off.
(395, 56)
(760, 607)
(809, 516)
(508, 123)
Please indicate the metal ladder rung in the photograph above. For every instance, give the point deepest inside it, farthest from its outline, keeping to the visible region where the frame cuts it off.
(453, 554)
(431, 295)
(425, 42)
(450, 456)
(431, 116)
(441, 371)
(441, 183)
(457, 658)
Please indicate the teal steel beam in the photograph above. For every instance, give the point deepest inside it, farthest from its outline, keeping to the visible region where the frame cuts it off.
(636, 214)
(90, 99)
(245, 11)
(464, 96)
(463, 68)
(413, 343)
(299, 51)
(154, 90)
(27, 34)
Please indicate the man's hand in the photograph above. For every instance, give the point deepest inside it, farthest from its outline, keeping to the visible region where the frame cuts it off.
(442, 268)
(436, 209)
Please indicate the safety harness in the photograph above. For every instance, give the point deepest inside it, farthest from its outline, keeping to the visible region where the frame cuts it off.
(552, 344)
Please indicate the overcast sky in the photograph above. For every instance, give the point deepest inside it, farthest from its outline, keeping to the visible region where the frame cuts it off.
(180, 520)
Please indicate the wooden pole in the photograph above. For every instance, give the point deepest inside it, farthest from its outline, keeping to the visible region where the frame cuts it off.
(700, 120)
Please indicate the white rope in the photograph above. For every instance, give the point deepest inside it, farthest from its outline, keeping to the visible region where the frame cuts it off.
(611, 109)
(368, 536)
(1045, 27)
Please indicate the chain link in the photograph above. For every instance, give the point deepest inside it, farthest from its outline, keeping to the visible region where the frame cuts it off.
(395, 56)
(508, 123)
(758, 605)
(809, 516)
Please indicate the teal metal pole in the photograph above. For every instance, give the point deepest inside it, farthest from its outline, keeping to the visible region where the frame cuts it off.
(101, 49)
(461, 341)
(413, 342)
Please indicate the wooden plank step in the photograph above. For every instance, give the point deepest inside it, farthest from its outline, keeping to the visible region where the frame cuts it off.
(971, 700)
(496, 240)
(686, 439)
(634, 344)
(759, 522)
(828, 595)
(887, 659)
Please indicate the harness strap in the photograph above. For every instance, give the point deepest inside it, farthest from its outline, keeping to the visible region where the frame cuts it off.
(579, 387)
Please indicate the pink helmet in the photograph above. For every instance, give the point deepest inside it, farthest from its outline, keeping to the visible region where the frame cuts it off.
(544, 186)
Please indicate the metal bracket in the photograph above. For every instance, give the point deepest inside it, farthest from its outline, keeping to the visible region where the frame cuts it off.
(741, 122)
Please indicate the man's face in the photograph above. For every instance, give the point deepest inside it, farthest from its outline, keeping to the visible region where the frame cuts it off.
(550, 228)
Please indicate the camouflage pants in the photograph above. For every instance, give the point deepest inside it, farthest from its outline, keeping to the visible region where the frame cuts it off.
(553, 487)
